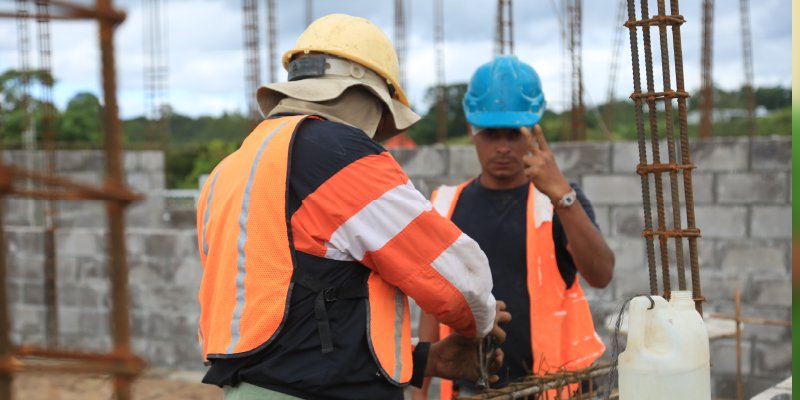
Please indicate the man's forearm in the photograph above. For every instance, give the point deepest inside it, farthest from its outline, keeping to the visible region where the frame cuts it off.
(592, 256)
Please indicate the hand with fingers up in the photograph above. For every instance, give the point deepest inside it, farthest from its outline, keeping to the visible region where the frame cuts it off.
(540, 166)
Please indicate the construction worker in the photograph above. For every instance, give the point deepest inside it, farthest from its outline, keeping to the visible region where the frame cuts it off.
(537, 229)
(311, 236)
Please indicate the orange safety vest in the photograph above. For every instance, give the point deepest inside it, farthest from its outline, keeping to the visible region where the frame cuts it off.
(248, 261)
(562, 330)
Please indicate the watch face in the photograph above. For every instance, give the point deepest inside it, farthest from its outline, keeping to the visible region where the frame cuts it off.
(568, 199)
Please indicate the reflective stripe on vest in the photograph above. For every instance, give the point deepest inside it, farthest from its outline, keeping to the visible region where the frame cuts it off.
(244, 244)
(556, 342)
(389, 329)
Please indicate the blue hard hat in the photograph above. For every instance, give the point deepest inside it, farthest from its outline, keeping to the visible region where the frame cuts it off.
(504, 93)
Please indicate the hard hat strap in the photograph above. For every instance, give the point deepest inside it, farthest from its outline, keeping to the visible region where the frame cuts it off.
(313, 66)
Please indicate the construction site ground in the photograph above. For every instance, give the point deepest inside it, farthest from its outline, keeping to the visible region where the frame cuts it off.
(154, 384)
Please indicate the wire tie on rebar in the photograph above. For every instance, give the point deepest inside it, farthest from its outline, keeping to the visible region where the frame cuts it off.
(643, 169)
(652, 302)
(673, 233)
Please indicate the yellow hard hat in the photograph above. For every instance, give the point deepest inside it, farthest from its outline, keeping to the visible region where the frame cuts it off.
(356, 39)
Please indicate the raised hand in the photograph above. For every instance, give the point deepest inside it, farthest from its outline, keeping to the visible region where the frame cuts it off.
(541, 167)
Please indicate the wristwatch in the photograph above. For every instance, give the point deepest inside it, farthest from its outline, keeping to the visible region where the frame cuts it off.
(568, 199)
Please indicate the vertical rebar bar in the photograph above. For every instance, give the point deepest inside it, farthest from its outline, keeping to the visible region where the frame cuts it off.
(120, 322)
(737, 300)
(656, 153)
(252, 59)
(6, 358)
(400, 39)
(686, 159)
(441, 99)
(272, 38)
(638, 111)
(51, 210)
(670, 136)
(747, 57)
(707, 83)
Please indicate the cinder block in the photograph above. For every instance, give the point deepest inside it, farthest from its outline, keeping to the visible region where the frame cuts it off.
(723, 357)
(33, 293)
(603, 219)
(77, 295)
(628, 222)
(773, 359)
(718, 287)
(772, 154)
(752, 257)
(771, 222)
(463, 162)
(77, 242)
(160, 244)
(425, 161)
(626, 156)
(752, 187)
(152, 161)
(582, 158)
(629, 254)
(721, 221)
(720, 154)
(613, 189)
(772, 291)
(131, 161)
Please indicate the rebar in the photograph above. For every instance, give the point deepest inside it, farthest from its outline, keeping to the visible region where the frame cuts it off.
(706, 79)
(441, 98)
(747, 58)
(272, 38)
(121, 362)
(252, 59)
(673, 166)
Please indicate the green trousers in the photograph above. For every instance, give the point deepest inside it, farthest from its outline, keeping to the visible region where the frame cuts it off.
(246, 391)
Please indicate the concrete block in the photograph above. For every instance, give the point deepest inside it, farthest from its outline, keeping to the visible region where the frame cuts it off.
(131, 161)
(92, 268)
(147, 213)
(723, 357)
(761, 257)
(725, 154)
(78, 295)
(602, 216)
(152, 161)
(582, 158)
(463, 162)
(27, 319)
(771, 222)
(753, 187)
(771, 154)
(77, 242)
(25, 241)
(625, 157)
(160, 244)
(721, 221)
(613, 189)
(26, 266)
(68, 321)
(424, 161)
(702, 188)
(33, 294)
(718, 287)
(629, 255)
(772, 291)
(773, 359)
(627, 222)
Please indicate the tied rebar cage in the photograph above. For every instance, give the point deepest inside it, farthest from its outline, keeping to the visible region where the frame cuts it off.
(660, 115)
(120, 362)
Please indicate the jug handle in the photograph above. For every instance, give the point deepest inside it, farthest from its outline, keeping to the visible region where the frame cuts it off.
(636, 326)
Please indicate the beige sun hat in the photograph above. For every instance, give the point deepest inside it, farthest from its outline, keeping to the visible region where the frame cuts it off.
(354, 51)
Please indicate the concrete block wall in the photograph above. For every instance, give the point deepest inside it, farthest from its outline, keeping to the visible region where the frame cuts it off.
(742, 202)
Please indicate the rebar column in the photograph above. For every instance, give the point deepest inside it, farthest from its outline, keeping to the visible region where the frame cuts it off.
(673, 166)
(114, 178)
(707, 82)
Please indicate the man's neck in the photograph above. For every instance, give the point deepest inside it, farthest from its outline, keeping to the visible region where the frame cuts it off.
(490, 182)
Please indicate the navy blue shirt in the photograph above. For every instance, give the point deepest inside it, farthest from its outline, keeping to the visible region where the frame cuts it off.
(496, 219)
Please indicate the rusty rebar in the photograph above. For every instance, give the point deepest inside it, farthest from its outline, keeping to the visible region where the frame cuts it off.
(645, 180)
(707, 83)
(656, 153)
(6, 357)
(563, 383)
(670, 137)
(686, 159)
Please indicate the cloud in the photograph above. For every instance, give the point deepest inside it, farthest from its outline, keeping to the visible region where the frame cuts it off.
(206, 58)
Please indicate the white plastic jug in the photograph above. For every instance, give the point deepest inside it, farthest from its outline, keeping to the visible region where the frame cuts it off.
(667, 353)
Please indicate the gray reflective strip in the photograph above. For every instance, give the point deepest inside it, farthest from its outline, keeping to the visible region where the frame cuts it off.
(208, 209)
(241, 259)
(399, 310)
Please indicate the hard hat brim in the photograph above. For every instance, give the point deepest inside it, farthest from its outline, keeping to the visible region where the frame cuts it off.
(331, 87)
(503, 119)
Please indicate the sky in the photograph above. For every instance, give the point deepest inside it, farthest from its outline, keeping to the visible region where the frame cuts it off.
(206, 59)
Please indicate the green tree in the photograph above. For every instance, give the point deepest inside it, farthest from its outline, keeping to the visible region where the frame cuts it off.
(81, 121)
(17, 105)
(424, 132)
